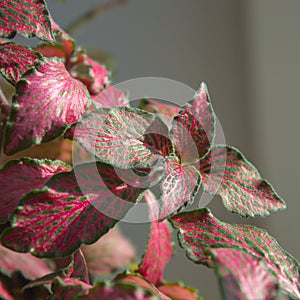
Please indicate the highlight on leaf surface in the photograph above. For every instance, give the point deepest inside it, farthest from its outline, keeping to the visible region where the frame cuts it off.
(199, 230)
(18, 177)
(115, 136)
(227, 173)
(73, 208)
(47, 101)
(26, 17)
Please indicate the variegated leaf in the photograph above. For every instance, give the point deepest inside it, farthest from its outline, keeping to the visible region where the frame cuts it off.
(242, 276)
(47, 101)
(178, 291)
(178, 187)
(159, 249)
(193, 128)
(15, 60)
(94, 75)
(73, 208)
(226, 172)
(26, 17)
(199, 230)
(110, 253)
(30, 266)
(110, 97)
(18, 177)
(115, 136)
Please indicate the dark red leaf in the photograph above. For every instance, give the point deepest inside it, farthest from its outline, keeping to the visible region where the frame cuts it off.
(26, 17)
(47, 101)
(18, 177)
(74, 208)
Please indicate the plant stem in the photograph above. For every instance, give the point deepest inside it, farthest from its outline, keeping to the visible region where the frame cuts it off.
(4, 105)
(91, 14)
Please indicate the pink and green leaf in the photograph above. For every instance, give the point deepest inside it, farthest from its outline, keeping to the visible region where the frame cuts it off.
(193, 128)
(160, 246)
(4, 293)
(242, 276)
(55, 221)
(115, 136)
(110, 97)
(30, 266)
(124, 291)
(27, 17)
(91, 73)
(15, 60)
(178, 187)
(199, 230)
(227, 173)
(18, 177)
(110, 253)
(47, 101)
(178, 291)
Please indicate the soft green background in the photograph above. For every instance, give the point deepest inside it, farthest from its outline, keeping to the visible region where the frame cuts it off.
(248, 53)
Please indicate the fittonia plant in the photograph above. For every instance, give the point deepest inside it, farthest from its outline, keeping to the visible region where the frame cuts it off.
(62, 95)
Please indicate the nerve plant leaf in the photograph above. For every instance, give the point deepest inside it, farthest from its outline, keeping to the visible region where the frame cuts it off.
(193, 128)
(112, 252)
(18, 177)
(55, 221)
(159, 249)
(178, 187)
(4, 294)
(242, 276)
(27, 17)
(94, 75)
(178, 291)
(226, 172)
(115, 136)
(47, 101)
(110, 97)
(15, 59)
(199, 230)
(30, 266)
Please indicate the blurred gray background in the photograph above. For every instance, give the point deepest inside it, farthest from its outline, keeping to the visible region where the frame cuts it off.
(248, 53)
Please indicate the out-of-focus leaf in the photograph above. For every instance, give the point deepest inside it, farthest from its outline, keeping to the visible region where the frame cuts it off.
(159, 249)
(111, 252)
(178, 291)
(18, 177)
